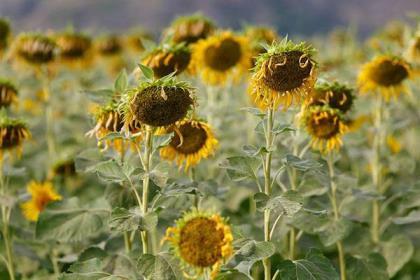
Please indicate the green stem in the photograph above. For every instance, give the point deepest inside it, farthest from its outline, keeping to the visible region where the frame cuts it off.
(127, 242)
(267, 185)
(376, 169)
(336, 210)
(49, 121)
(5, 214)
(292, 235)
(146, 182)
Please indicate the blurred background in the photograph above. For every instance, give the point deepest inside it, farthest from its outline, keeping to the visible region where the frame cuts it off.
(304, 17)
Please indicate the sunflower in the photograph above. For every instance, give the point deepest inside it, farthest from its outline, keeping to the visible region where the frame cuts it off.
(385, 74)
(4, 34)
(413, 53)
(193, 141)
(325, 125)
(168, 59)
(283, 75)
(109, 45)
(12, 134)
(41, 195)
(160, 102)
(259, 36)
(74, 47)
(202, 241)
(34, 48)
(108, 120)
(190, 29)
(8, 93)
(335, 95)
(135, 40)
(221, 56)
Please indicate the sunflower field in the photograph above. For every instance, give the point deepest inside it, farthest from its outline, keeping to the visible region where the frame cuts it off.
(210, 153)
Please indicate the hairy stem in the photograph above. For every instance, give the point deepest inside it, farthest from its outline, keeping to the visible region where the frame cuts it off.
(146, 180)
(336, 210)
(267, 185)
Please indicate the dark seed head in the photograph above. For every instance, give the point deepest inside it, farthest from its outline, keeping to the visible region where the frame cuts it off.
(389, 73)
(192, 31)
(73, 46)
(161, 106)
(224, 56)
(36, 49)
(193, 139)
(164, 63)
(287, 71)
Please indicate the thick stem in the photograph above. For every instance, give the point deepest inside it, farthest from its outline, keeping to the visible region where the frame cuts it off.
(336, 210)
(292, 235)
(267, 185)
(5, 215)
(146, 181)
(376, 169)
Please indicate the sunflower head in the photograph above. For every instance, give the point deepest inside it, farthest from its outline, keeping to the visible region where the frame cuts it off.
(34, 48)
(385, 74)
(192, 141)
(65, 168)
(335, 95)
(190, 29)
(259, 36)
(41, 195)
(8, 93)
(202, 241)
(221, 56)
(108, 120)
(413, 51)
(167, 59)
(283, 75)
(109, 45)
(325, 125)
(4, 33)
(73, 46)
(160, 102)
(13, 132)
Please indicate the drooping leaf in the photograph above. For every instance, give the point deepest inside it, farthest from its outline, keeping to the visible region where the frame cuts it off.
(101, 96)
(251, 252)
(241, 168)
(147, 72)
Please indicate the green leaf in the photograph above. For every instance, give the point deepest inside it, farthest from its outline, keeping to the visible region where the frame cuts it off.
(160, 141)
(121, 82)
(279, 129)
(254, 111)
(253, 151)
(372, 267)
(86, 160)
(232, 275)
(241, 168)
(314, 267)
(310, 222)
(160, 267)
(251, 252)
(160, 174)
(397, 252)
(302, 164)
(68, 221)
(412, 217)
(123, 220)
(175, 189)
(290, 202)
(147, 72)
(101, 96)
(335, 230)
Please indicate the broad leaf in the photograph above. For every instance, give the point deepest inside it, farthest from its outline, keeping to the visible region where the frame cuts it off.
(289, 203)
(129, 220)
(335, 230)
(121, 82)
(251, 252)
(241, 168)
(372, 267)
(397, 252)
(160, 267)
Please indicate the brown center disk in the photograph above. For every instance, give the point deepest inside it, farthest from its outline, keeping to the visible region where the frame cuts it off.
(37, 51)
(289, 76)
(73, 47)
(13, 137)
(324, 127)
(116, 123)
(224, 56)
(388, 73)
(110, 46)
(177, 62)
(341, 100)
(200, 242)
(161, 107)
(194, 138)
(191, 32)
